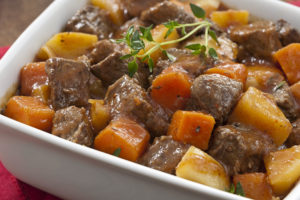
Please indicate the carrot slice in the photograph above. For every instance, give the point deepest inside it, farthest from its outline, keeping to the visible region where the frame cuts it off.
(289, 60)
(295, 89)
(125, 136)
(192, 127)
(234, 71)
(32, 76)
(30, 111)
(172, 88)
(255, 185)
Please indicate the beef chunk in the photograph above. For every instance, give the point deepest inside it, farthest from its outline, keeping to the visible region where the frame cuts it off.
(285, 100)
(164, 154)
(259, 39)
(113, 67)
(240, 150)
(135, 22)
(127, 97)
(215, 94)
(72, 124)
(166, 11)
(91, 20)
(101, 50)
(194, 65)
(68, 80)
(294, 138)
(287, 34)
(135, 7)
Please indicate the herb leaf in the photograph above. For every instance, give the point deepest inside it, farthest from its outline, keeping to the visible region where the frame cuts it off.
(150, 64)
(170, 56)
(125, 56)
(197, 11)
(239, 189)
(213, 35)
(136, 42)
(212, 53)
(194, 46)
(146, 32)
(132, 67)
(117, 152)
(279, 86)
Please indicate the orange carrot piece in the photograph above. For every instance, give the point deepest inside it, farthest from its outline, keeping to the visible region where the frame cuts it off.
(289, 60)
(172, 88)
(255, 185)
(191, 127)
(123, 134)
(295, 89)
(234, 71)
(30, 111)
(32, 75)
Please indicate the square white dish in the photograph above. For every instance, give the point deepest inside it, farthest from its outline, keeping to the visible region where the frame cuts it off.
(72, 171)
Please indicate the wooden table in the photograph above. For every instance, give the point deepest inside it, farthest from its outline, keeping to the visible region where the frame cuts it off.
(16, 15)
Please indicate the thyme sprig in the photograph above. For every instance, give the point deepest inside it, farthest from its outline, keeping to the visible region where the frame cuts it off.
(134, 39)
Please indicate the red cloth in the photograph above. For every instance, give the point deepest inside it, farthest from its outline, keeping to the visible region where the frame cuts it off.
(13, 189)
(296, 3)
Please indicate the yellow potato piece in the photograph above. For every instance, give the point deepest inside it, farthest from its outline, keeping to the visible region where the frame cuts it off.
(227, 18)
(208, 5)
(200, 167)
(256, 109)
(283, 169)
(113, 8)
(67, 45)
(99, 114)
(158, 34)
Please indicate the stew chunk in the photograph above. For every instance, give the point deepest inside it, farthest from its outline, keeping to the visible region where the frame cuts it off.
(240, 150)
(91, 20)
(68, 80)
(72, 124)
(259, 39)
(127, 97)
(294, 137)
(215, 94)
(164, 154)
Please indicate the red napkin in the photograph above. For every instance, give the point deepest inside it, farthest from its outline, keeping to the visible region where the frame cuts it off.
(296, 3)
(13, 189)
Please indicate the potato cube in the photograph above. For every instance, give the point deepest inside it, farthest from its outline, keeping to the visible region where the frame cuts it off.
(113, 7)
(256, 109)
(283, 169)
(227, 18)
(158, 34)
(67, 45)
(99, 114)
(200, 167)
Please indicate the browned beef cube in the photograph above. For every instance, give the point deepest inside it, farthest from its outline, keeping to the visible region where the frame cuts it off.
(215, 94)
(72, 124)
(260, 39)
(68, 80)
(113, 67)
(135, 22)
(164, 154)
(166, 11)
(101, 50)
(127, 97)
(287, 34)
(240, 150)
(294, 138)
(91, 20)
(135, 7)
(285, 100)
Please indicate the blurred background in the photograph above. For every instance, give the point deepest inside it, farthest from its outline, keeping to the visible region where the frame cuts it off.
(16, 15)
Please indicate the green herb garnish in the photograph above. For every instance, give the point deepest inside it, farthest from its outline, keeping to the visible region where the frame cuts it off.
(117, 152)
(238, 189)
(134, 39)
(279, 86)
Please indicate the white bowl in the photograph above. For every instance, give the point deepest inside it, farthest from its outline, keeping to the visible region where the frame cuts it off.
(72, 171)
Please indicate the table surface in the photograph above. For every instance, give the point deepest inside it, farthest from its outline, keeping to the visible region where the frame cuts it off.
(16, 15)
